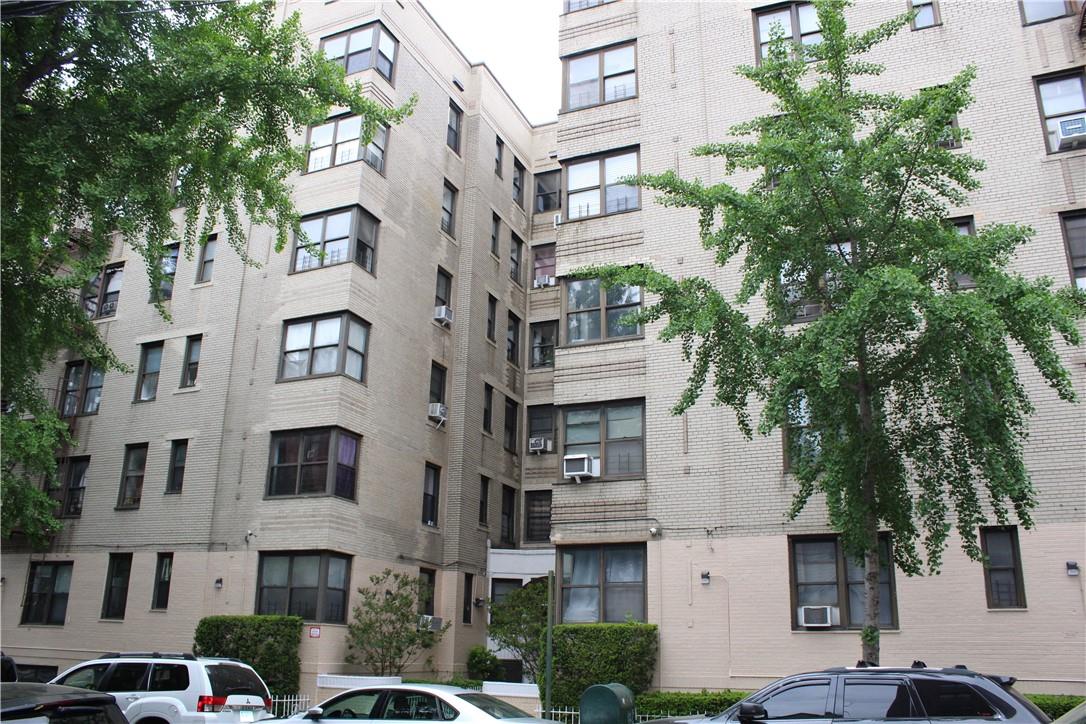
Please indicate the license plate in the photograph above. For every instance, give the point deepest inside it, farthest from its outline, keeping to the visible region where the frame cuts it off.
(246, 715)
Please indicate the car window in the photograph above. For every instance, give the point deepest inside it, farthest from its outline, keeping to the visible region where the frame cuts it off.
(85, 677)
(413, 705)
(803, 701)
(877, 700)
(227, 679)
(85, 714)
(169, 677)
(352, 706)
(494, 707)
(125, 676)
(951, 699)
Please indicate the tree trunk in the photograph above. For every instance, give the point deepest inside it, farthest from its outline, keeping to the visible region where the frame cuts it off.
(869, 636)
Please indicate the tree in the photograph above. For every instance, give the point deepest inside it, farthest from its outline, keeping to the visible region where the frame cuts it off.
(104, 107)
(385, 632)
(905, 403)
(518, 623)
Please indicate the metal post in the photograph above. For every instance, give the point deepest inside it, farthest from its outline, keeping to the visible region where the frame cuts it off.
(548, 671)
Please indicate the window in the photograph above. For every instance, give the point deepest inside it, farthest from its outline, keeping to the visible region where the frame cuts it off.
(491, 317)
(927, 13)
(944, 699)
(169, 677)
(518, 182)
(431, 494)
(537, 516)
(339, 141)
(802, 440)
(82, 389)
(443, 289)
(206, 266)
(604, 584)
(488, 408)
(799, 21)
(337, 237)
(541, 421)
(593, 188)
(823, 576)
(543, 336)
(71, 486)
(135, 461)
(516, 252)
(613, 433)
(47, 593)
(437, 383)
(427, 586)
(169, 271)
(574, 5)
(160, 597)
(495, 234)
(469, 593)
(594, 313)
(509, 516)
(804, 700)
(314, 461)
(512, 412)
(150, 363)
(512, 339)
(601, 76)
(879, 699)
(311, 585)
(1039, 11)
(1003, 570)
(354, 49)
(448, 209)
(500, 588)
(543, 263)
(334, 345)
(175, 478)
(456, 117)
(484, 500)
(101, 294)
(547, 197)
(192, 360)
(374, 154)
(1074, 235)
(499, 156)
(116, 597)
(965, 227)
(1063, 107)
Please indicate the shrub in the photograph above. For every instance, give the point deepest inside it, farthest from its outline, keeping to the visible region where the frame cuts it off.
(483, 664)
(686, 703)
(1055, 705)
(601, 653)
(267, 643)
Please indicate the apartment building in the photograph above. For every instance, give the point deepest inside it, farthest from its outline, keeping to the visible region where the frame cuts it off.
(300, 426)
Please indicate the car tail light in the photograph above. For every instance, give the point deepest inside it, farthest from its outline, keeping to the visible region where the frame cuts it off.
(268, 703)
(210, 703)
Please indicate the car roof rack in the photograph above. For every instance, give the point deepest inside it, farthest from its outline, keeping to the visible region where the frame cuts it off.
(224, 658)
(148, 655)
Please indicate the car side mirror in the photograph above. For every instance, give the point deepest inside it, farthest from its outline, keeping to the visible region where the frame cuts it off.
(749, 711)
(314, 713)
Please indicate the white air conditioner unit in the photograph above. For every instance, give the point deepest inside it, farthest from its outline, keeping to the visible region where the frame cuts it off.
(557, 220)
(809, 310)
(580, 466)
(544, 281)
(819, 616)
(540, 445)
(443, 316)
(438, 412)
(1070, 131)
(430, 623)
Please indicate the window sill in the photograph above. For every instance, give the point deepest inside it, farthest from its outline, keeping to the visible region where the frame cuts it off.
(293, 271)
(187, 390)
(595, 342)
(541, 368)
(492, 342)
(126, 507)
(1009, 609)
(327, 375)
(111, 620)
(601, 479)
(927, 27)
(1056, 155)
(447, 235)
(201, 285)
(157, 610)
(41, 625)
(442, 327)
(73, 418)
(567, 111)
(1048, 20)
(849, 631)
(303, 496)
(488, 433)
(96, 320)
(598, 216)
(431, 529)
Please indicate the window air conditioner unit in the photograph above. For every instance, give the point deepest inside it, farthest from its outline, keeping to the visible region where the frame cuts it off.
(430, 623)
(544, 281)
(818, 616)
(1070, 131)
(540, 445)
(108, 309)
(443, 316)
(580, 466)
(438, 412)
(809, 310)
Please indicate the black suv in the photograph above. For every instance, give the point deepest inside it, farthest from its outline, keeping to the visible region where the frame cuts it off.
(872, 694)
(33, 703)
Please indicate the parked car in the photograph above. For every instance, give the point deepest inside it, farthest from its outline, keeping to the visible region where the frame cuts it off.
(418, 702)
(873, 694)
(1075, 716)
(155, 688)
(33, 703)
(8, 670)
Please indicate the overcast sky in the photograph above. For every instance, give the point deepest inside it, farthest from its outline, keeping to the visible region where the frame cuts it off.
(517, 39)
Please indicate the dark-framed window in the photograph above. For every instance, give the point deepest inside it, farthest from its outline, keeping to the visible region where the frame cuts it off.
(206, 266)
(337, 237)
(1062, 100)
(495, 234)
(313, 461)
(572, 6)
(593, 188)
(965, 226)
(516, 253)
(102, 293)
(370, 46)
(82, 389)
(448, 209)
(867, 698)
(47, 587)
(491, 317)
(512, 413)
(431, 495)
(927, 14)
(541, 421)
(488, 408)
(115, 600)
(175, 478)
(500, 588)
(1003, 584)
(330, 345)
(799, 20)
(456, 120)
(602, 584)
(543, 262)
(443, 289)
(1074, 236)
(191, 367)
(468, 598)
(822, 575)
(484, 500)
(437, 383)
(1041, 11)
(164, 292)
(544, 335)
(508, 534)
(313, 585)
(427, 588)
(135, 462)
(150, 365)
(537, 516)
(71, 485)
(338, 141)
(547, 196)
(595, 314)
(600, 76)
(613, 433)
(499, 155)
(801, 438)
(512, 339)
(374, 153)
(518, 182)
(160, 595)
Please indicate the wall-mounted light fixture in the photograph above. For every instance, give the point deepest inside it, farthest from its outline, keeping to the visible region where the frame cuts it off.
(218, 584)
(705, 578)
(479, 602)
(1072, 568)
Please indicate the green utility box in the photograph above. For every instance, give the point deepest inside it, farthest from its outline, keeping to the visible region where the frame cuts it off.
(607, 704)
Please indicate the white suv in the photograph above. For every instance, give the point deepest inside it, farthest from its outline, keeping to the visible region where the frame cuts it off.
(159, 688)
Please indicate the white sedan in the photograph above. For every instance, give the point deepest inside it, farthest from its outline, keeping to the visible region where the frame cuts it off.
(417, 702)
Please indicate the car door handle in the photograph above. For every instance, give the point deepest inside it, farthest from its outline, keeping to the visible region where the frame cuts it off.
(131, 698)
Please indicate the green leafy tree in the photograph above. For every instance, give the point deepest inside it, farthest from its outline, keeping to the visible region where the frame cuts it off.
(385, 633)
(912, 410)
(103, 106)
(518, 624)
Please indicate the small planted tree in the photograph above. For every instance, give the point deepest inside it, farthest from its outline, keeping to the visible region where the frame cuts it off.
(900, 387)
(518, 624)
(385, 633)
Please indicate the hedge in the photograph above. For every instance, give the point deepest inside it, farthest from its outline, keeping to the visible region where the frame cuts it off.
(267, 643)
(1055, 705)
(686, 703)
(601, 653)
